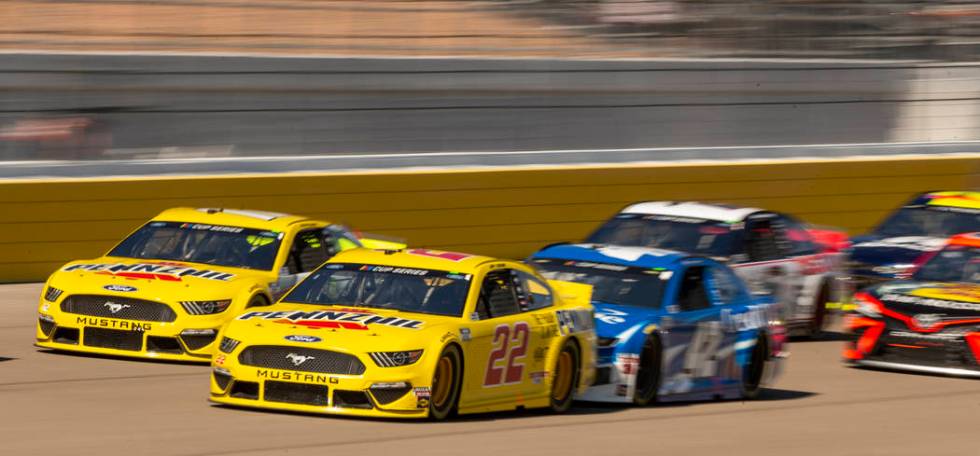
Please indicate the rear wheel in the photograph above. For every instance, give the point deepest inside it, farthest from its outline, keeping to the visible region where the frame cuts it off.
(446, 382)
(566, 376)
(753, 371)
(648, 375)
(819, 313)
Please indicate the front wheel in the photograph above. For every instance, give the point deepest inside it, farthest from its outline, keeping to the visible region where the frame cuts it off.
(566, 376)
(648, 375)
(753, 371)
(819, 313)
(446, 381)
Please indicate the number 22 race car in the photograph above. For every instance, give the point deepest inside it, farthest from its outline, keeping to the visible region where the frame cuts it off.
(671, 326)
(411, 334)
(165, 290)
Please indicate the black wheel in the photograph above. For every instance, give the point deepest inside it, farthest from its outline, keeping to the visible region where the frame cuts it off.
(819, 313)
(752, 372)
(446, 382)
(565, 378)
(648, 375)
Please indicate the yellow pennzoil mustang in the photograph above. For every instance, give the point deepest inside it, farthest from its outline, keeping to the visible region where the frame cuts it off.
(165, 290)
(411, 334)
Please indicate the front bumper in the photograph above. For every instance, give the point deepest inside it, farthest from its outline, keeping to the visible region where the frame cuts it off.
(59, 330)
(877, 345)
(324, 393)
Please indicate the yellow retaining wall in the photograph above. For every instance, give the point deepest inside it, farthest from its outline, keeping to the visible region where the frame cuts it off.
(503, 212)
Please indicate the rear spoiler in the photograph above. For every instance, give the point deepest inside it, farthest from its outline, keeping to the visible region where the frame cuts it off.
(831, 239)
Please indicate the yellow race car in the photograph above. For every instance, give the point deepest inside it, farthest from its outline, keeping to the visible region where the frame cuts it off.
(165, 290)
(411, 334)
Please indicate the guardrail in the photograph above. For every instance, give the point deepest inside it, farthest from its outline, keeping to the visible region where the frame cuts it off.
(158, 106)
(507, 212)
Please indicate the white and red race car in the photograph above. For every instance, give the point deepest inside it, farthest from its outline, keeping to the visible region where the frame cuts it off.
(773, 252)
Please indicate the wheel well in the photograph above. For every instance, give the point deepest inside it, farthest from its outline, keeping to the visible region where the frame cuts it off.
(265, 299)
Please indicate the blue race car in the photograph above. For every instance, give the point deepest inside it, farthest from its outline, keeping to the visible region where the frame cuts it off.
(671, 326)
(911, 235)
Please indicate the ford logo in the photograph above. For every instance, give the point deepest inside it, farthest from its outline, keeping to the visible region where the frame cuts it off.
(120, 288)
(298, 338)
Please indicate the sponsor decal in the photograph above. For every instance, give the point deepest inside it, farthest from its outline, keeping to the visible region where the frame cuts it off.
(943, 336)
(120, 288)
(538, 377)
(930, 302)
(610, 316)
(219, 360)
(219, 228)
(171, 272)
(927, 320)
(297, 359)
(464, 333)
(920, 243)
(629, 363)
(622, 390)
(115, 324)
(291, 376)
(303, 338)
(451, 256)
(355, 319)
(423, 394)
(573, 321)
(447, 336)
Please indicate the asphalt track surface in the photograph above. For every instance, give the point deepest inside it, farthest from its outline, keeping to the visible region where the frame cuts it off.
(53, 403)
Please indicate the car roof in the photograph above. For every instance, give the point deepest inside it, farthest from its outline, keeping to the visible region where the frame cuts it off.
(969, 239)
(415, 258)
(643, 257)
(231, 217)
(963, 199)
(692, 209)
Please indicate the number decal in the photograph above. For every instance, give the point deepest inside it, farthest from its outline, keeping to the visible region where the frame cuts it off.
(512, 371)
(699, 360)
(451, 256)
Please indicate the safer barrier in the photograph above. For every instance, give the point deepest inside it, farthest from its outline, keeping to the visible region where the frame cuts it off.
(506, 212)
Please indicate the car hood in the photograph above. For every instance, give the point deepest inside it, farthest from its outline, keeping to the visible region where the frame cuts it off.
(938, 300)
(151, 279)
(350, 329)
(874, 255)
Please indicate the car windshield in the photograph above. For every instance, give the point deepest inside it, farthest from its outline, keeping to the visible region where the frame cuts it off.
(199, 243)
(933, 221)
(704, 237)
(955, 263)
(611, 284)
(384, 287)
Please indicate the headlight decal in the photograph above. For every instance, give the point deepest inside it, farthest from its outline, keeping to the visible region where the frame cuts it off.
(228, 344)
(52, 294)
(396, 359)
(205, 307)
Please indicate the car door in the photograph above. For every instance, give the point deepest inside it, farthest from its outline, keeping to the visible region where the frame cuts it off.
(693, 333)
(768, 269)
(810, 267)
(500, 341)
(729, 295)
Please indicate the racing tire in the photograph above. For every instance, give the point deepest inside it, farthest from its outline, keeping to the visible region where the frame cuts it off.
(648, 374)
(819, 321)
(755, 369)
(447, 380)
(566, 377)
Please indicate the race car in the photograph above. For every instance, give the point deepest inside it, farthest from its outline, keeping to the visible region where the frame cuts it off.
(928, 323)
(772, 252)
(164, 291)
(907, 237)
(411, 334)
(671, 326)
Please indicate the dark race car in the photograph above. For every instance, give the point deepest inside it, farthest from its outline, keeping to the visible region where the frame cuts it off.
(909, 235)
(930, 323)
